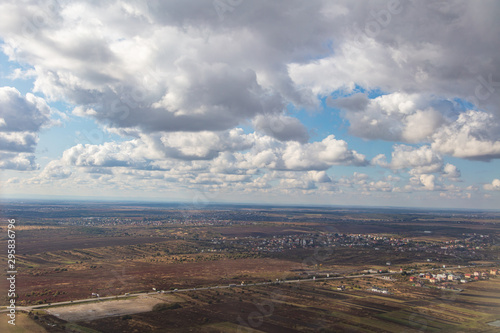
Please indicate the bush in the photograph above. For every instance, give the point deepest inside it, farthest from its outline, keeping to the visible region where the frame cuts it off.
(166, 306)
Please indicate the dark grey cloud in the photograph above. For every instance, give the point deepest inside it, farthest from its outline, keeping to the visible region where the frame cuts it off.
(281, 127)
(21, 118)
(184, 65)
(168, 66)
(353, 103)
(21, 113)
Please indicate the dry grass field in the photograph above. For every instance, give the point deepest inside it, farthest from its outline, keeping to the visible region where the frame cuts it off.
(319, 307)
(24, 324)
(62, 262)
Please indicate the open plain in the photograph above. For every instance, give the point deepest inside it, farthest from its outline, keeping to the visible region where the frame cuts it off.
(255, 269)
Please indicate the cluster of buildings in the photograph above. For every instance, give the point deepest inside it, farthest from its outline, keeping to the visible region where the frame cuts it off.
(451, 277)
(379, 290)
(94, 221)
(151, 221)
(466, 247)
(310, 240)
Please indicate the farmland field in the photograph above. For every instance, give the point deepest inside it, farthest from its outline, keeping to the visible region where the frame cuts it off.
(71, 253)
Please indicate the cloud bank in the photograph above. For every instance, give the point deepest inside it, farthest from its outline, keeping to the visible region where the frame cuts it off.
(214, 93)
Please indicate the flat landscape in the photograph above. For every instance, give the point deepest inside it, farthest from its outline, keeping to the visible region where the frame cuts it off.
(152, 268)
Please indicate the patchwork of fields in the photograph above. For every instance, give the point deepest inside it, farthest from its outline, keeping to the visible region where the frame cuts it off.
(71, 257)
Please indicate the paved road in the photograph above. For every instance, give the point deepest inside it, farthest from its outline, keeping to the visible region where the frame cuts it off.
(336, 277)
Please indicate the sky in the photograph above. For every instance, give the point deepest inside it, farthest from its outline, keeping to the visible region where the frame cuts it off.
(372, 103)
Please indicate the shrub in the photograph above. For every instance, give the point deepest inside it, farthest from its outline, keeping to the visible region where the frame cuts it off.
(166, 306)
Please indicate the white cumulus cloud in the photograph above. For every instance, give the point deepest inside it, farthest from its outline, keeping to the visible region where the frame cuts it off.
(494, 186)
